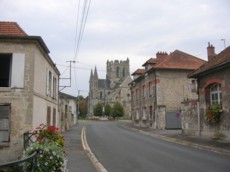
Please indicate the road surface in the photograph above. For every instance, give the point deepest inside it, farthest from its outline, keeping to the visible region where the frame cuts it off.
(120, 149)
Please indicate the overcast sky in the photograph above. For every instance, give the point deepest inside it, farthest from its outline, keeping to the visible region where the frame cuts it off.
(117, 29)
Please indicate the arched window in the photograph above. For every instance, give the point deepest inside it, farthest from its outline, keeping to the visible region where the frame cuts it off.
(215, 94)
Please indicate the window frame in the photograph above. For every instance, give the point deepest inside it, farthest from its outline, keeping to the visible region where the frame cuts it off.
(217, 93)
(6, 143)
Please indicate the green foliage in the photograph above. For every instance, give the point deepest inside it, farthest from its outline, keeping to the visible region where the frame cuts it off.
(50, 156)
(97, 110)
(83, 108)
(213, 114)
(48, 145)
(118, 110)
(50, 133)
(108, 110)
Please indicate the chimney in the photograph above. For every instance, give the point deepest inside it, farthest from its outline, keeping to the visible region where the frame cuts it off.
(210, 51)
(161, 55)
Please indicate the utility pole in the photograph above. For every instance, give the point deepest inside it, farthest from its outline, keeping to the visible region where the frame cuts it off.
(70, 66)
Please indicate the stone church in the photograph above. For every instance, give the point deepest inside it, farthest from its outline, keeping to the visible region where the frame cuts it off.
(112, 89)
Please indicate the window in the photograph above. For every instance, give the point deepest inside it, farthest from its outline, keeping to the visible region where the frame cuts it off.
(123, 72)
(4, 123)
(54, 117)
(101, 95)
(12, 70)
(136, 94)
(54, 88)
(137, 114)
(143, 91)
(5, 64)
(66, 111)
(193, 85)
(144, 113)
(48, 118)
(117, 72)
(215, 94)
(150, 88)
(50, 82)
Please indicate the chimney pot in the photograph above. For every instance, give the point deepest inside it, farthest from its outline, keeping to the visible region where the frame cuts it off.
(210, 51)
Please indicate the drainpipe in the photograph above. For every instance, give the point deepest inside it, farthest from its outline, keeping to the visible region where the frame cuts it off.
(155, 102)
(198, 116)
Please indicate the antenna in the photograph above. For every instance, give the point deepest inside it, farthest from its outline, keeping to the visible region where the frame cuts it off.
(224, 40)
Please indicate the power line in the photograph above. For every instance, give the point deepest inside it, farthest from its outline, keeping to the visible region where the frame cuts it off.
(81, 68)
(80, 33)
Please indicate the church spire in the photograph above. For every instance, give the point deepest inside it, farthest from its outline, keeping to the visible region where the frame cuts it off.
(95, 73)
(91, 75)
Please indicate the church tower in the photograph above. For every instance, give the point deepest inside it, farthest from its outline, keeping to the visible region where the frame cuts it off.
(117, 71)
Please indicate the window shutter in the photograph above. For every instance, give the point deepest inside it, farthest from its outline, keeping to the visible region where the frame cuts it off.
(51, 90)
(18, 67)
(4, 123)
(47, 82)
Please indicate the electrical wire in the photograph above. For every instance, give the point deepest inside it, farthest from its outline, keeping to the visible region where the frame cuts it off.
(80, 31)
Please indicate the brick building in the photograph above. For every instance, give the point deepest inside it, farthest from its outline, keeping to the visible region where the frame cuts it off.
(159, 88)
(28, 88)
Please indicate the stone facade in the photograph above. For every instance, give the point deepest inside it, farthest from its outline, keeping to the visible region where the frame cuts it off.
(112, 89)
(159, 89)
(216, 72)
(29, 96)
(68, 111)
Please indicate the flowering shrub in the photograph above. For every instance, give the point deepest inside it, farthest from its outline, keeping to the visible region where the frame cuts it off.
(213, 114)
(50, 133)
(50, 156)
(48, 144)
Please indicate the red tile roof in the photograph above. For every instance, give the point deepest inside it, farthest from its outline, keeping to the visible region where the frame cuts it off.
(180, 60)
(11, 29)
(217, 61)
(139, 72)
(152, 61)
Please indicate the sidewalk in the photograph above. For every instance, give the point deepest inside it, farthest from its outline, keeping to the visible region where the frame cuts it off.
(219, 146)
(77, 157)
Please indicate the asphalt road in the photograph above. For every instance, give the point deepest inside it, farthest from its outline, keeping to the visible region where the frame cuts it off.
(120, 149)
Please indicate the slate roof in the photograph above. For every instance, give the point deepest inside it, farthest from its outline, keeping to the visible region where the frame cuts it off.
(103, 84)
(11, 29)
(221, 59)
(67, 96)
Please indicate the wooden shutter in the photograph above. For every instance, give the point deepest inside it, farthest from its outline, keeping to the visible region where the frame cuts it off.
(17, 72)
(4, 123)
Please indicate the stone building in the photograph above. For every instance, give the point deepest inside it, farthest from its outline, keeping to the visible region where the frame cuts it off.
(159, 88)
(68, 111)
(28, 88)
(213, 80)
(112, 89)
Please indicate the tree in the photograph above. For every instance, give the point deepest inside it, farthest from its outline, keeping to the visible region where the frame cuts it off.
(108, 110)
(118, 110)
(83, 108)
(97, 110)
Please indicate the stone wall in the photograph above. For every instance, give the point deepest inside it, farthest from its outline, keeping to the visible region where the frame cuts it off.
(189, 116)
(25, 113)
